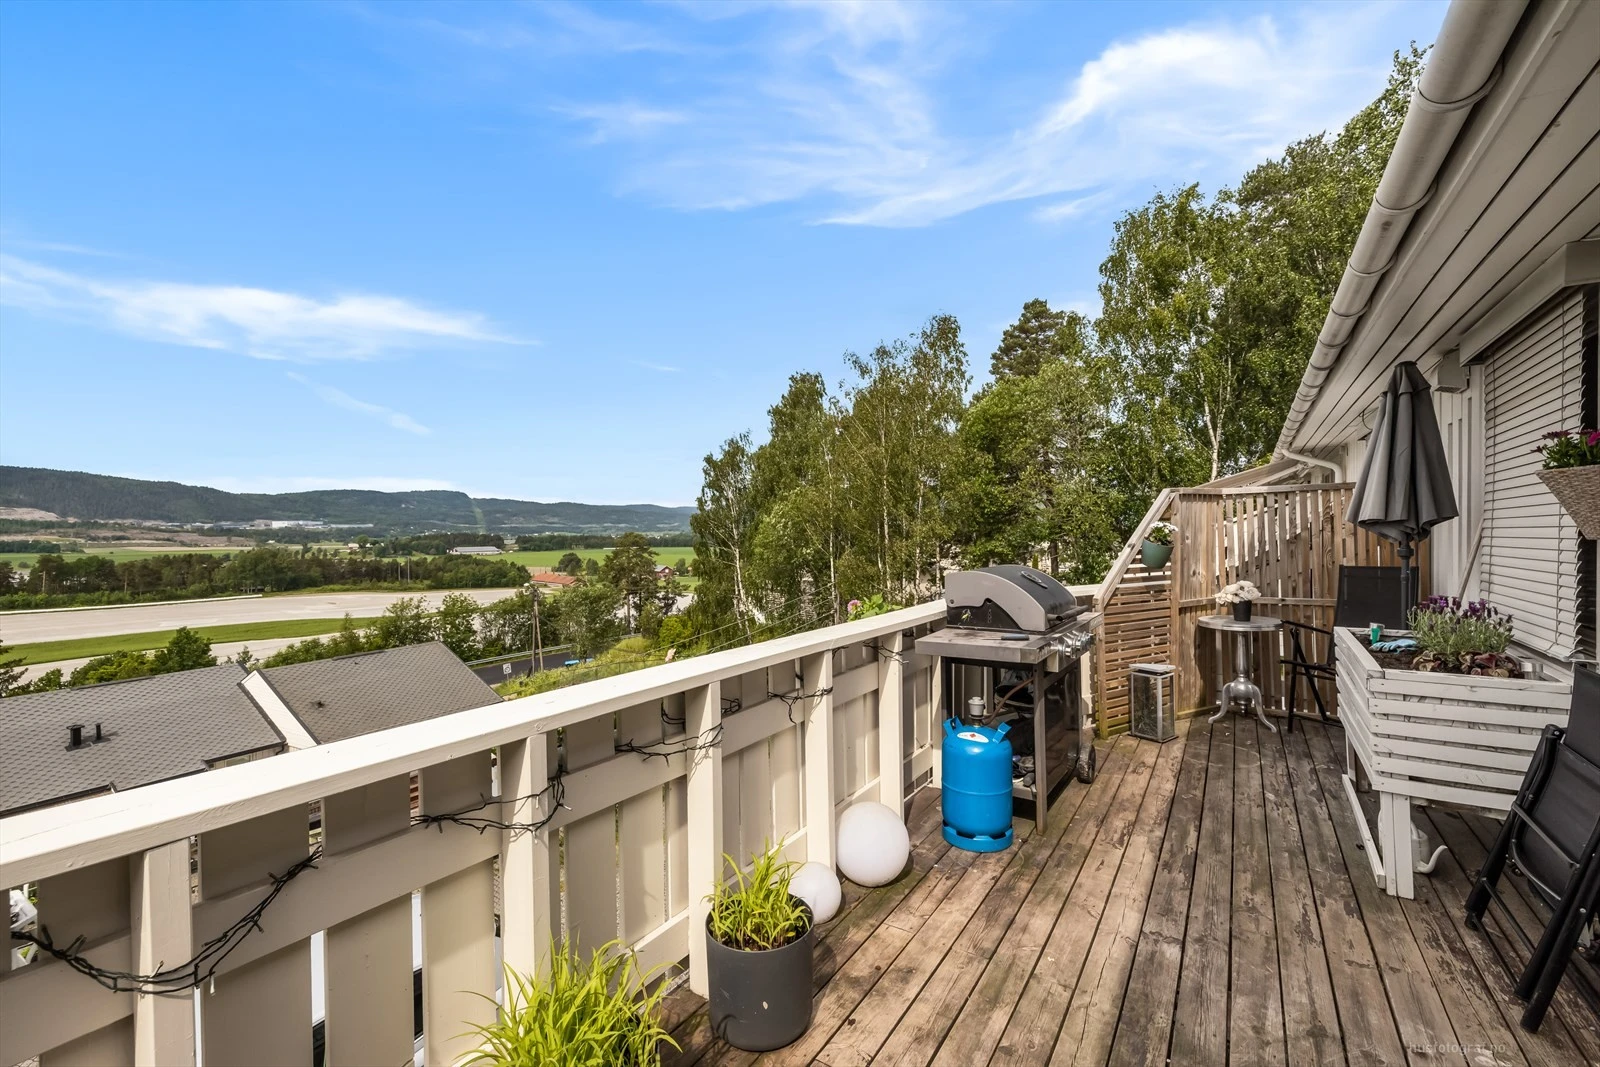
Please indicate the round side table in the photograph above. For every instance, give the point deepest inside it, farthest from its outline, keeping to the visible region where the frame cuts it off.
(1241, 688)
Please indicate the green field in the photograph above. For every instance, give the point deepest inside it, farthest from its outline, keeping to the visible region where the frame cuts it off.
(545, 560)
(83, 647)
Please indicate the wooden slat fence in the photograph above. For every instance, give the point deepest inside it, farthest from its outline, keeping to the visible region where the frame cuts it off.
(1289, 540)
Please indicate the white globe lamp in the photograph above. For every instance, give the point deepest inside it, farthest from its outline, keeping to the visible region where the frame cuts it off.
(818, 886)
(873, 844)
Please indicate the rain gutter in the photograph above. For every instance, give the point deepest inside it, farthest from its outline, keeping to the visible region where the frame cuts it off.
(1462, 69)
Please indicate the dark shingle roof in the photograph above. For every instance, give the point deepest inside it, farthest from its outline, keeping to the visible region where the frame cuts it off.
(369, 691)
(160, 727)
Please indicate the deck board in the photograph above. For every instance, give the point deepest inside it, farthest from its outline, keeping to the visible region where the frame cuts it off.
(1204, 902)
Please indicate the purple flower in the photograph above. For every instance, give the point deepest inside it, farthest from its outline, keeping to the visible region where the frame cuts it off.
(1556, 435)
(1594, 438)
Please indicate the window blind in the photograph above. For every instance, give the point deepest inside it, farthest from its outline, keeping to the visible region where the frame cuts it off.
(1531, 546)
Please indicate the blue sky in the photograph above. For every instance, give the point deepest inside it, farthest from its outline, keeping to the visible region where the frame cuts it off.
(559, 251)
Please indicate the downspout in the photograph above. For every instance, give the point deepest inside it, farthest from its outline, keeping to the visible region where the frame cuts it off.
(1462, 69)
(1298, 457)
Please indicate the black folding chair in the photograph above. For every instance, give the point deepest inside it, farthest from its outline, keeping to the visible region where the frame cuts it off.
(1366, 595)
(1559, 802)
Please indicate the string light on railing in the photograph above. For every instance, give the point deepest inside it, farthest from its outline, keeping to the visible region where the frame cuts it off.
(712, 738)
(179, 980)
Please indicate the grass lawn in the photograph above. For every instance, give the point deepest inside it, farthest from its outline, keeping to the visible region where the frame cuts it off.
(546, 560)
(81, 647)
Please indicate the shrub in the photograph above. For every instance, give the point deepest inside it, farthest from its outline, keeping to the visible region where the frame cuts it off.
(756, 911)
(590, 1012)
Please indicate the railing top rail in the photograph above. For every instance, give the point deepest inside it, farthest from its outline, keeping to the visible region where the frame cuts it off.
(1260, 490)
(71, 836)
(1158, 507)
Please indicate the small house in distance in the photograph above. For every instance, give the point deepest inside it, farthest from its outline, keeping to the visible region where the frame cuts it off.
(664, 572)
(79, 742)
(553, 579)
(333, 699)
(475, 550)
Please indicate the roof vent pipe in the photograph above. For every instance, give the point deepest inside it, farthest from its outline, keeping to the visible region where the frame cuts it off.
(1461, 70)
(75, 736)
(99, 735)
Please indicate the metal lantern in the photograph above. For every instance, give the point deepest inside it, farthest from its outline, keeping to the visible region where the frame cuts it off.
(1150, 695)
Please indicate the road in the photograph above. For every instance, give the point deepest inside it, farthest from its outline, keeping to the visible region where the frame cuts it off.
(26, 628)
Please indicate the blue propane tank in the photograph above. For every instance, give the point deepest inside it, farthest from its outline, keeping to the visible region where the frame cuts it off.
(976, 791)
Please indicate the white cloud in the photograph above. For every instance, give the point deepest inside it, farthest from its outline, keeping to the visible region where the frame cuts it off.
(264, 323)
(874, 112)
(622, 119)
(399, 420)
(660, 368)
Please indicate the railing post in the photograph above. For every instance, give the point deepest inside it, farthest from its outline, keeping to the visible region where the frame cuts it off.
(163, 933)
(891, 722)
(702, 712)
(370, 1005)
(936, 724)
(525, 857)
(816, 674)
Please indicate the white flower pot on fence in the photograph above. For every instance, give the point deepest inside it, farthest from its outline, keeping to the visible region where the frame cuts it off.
(1435, 738)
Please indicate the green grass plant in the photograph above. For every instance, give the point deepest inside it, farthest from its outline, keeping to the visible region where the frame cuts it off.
(755, 911)
(88, 647)
(594, 1011)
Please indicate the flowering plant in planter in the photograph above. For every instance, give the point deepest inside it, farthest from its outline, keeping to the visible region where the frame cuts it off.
(1572, 474)
(1462, 638)
(1238, 593)
(1570, 448)
(1156, 549)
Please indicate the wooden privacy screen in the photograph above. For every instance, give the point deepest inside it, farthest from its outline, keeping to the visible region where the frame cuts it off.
(1289, 540)
(1137, 629)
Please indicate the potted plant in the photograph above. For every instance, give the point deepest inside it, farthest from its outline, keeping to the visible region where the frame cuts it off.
(601, 1010)
(759, 939)
(1241, 597)
(1157, 547)
(1572, 473)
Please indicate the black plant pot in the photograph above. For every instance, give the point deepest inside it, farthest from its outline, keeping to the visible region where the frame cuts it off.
(1241, 610)
(760, 1000)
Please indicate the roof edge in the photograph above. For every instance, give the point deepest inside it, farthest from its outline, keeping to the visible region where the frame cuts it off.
(1463, 69)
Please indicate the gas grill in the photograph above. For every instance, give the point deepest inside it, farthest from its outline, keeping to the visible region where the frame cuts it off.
(1011, 651)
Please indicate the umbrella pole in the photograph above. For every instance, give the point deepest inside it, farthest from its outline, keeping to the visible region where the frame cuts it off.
(1407, 600)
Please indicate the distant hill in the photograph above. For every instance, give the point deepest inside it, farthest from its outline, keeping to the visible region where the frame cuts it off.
(78, 495)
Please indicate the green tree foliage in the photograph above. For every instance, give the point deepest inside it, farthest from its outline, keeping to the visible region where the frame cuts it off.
(96, 579)
(570, 563)
(589, 617)
(457, 625)
(185, 650)
(1210, 305)
(630, 569)
(12, 668)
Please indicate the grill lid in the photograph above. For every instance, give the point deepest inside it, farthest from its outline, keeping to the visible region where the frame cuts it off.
(1007, 597)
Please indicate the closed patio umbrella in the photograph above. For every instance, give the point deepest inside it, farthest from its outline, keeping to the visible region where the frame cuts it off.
(1404, 489)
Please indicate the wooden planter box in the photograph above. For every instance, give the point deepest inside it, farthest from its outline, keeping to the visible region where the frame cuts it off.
(1436, 739)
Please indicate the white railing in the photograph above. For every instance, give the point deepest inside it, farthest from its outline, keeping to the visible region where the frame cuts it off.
(630, 853)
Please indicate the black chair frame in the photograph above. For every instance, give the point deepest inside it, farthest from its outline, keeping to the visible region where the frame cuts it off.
(1573, 905)
(1362, 595)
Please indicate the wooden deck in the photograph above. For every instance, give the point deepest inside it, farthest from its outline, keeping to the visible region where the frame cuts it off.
(1204, 902)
